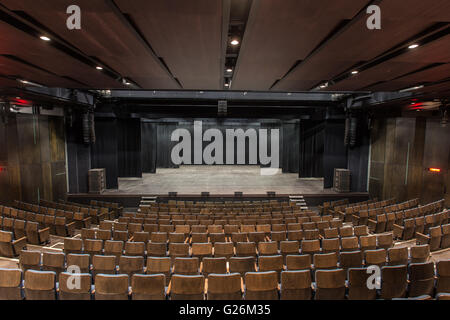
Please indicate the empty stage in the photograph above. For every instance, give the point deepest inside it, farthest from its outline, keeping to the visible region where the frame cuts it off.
(190, 180)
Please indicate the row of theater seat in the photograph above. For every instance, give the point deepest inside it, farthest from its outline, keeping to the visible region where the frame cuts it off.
(112, 263)
(291, 285)
(227, 249)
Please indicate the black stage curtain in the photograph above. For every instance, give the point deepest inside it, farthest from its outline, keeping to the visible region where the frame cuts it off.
(78, 157)
(311, 149)
(358, 157)
(148, 146)
(290, 145)
(335, 152)
(104, 153)
(129, 148)
(165, 145)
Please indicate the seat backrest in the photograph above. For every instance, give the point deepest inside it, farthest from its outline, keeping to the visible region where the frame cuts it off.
(224, 287)
(187, 287)
(10, 284)
(245, 249)
(223, 249)
(393, 281)
(268, 248)
(242, 264)
(113, 247)
(357, 284)
(202, 249)
(158, 265)
(421, 279)
(30, 260)
(186, 266)
(131, 264)
(104, 264)
(351, 259)
(148, 287)
(81, 261)
(53, 260)
(420, 253)
(271, 263)
(179, 249)
(296, 285)
(134, 248)
(40, 285)
(156, 249)
(214, 265)
(111, 287)
(261, 285)
(71, 288)
(298, 262)
(6, 236)
(375, 257)
(330, 284)
(326, 261)
(349, 243)
(397, 256)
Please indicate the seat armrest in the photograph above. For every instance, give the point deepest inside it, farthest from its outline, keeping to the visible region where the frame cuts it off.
(422, 238)
(398, 231)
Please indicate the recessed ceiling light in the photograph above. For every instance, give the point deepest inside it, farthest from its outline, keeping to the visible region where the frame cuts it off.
(411, 89)
(413, 46)
(226, 85)
(99, 68)
(234, 42)
(355, 72)
(45, 38)
(229, 70)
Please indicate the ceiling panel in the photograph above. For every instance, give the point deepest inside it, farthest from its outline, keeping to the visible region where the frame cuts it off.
(103, 35)
(277, 36)
(429, 75)
(382, 72)
(20, 70)
(358, 44)
(186, 34)
(40, 53)
(6, 83)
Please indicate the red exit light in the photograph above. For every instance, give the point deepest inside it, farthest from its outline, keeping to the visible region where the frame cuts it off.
(435, 170)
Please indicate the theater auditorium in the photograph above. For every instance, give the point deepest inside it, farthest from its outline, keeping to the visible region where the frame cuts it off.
(224, 150)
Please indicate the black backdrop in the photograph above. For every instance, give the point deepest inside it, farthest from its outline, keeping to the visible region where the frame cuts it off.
(130, 147)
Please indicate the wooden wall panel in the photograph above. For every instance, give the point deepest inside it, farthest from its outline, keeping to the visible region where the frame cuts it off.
(32, 144)
(404, 173)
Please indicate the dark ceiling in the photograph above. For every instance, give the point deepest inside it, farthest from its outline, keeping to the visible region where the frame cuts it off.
(288, 45)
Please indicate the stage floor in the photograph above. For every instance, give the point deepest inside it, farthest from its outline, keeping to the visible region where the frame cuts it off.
(190, 180)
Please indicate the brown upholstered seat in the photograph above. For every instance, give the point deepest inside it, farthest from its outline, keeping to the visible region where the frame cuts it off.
(54, 261)
(160, 265)
(10, 284)
(443, 276)
(393, 281)
(148, 287)
(242, 265)
(186, 287)
(421, 279)
(330, 284)
(296, 285)
(261, 285)
(75, 286)
(30, 260)
(40, 285)
(10, 247)
(111, 287)
(186, 266)
(375, 257)
(357, 285)
(224, 287)
(214, 265)
(73, 245)
(223, 249)
(420, 253)
(103, 265)
(82, 261)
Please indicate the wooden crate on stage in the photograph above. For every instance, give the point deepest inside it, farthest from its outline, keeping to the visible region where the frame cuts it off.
(97, 180)
(342, 180)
